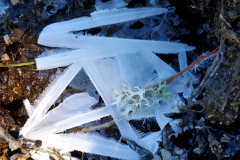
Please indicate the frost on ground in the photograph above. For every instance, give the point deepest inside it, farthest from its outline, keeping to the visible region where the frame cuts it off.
(109, 62)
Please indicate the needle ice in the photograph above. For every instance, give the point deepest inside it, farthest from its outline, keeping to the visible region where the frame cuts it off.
(108, 62)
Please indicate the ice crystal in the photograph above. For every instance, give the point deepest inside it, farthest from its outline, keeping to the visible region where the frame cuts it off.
(108, 62)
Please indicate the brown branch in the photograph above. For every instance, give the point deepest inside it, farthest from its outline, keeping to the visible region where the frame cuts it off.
(188, 67)
(209, 72)
(192, 65)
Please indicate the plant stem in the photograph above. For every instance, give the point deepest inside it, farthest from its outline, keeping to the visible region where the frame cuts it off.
(17, 64)
(189, 67)
(192, 65)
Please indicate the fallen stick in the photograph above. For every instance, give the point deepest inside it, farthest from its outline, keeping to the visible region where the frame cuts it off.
(200, 58)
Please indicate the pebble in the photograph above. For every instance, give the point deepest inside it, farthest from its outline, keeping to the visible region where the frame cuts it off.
(5, 57)
(178, 151)
(7, 39)
(16, 34)
(15, 2)
(166, 155)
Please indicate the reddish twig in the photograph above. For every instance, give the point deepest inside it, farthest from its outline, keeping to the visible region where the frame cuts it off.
(188, 67)
(191, 65)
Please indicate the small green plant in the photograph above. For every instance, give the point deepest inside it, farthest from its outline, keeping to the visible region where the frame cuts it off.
(17, 64)
(129, 99)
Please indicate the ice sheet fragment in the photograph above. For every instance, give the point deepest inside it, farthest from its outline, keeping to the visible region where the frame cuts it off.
(187, 75)
(29, 107)
(127, 45)
(90, 143)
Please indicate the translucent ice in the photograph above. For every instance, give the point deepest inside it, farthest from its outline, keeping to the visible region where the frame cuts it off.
(109, 63)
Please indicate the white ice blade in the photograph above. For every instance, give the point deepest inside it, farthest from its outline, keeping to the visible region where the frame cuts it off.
(90, 143)
(182, 57)
(64, 122)
(29, 108)
(110, 44)
(50, 96)
(98, 18)
(73, 111)
(115, 46)
(69, 57)
(149, 144)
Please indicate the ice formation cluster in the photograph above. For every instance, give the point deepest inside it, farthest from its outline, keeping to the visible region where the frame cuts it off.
(109, 62)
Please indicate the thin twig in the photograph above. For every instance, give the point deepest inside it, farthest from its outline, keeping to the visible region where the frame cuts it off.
(17, 64)
(188, 67)
(93, 128)
(208, 74)
(200, 58)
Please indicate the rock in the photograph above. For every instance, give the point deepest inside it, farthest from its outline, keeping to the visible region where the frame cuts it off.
(166, 155)
(5, 57)
(178, 151)
(15, 2)
(24, 58)
(7, 39)
(156, 157)
(16, 34)
(175, 158)
(225, 139)
(184, 156)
